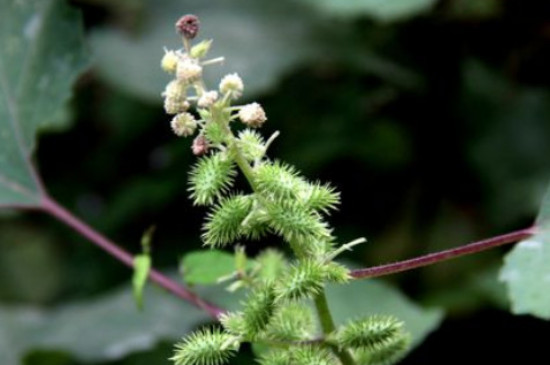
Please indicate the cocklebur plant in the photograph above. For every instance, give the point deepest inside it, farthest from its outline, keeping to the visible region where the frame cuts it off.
(280, 305)
(41, 26)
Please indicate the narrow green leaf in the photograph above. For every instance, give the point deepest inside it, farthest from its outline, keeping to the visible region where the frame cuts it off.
(41, 54)
(142, 266)
(147, 238)
(526, 271)
(206, 266)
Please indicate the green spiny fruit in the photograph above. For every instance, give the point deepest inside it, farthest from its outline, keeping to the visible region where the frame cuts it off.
(313, 355)
(320, 197)
(291, 322)
(368, 332)
(278, 180)
(304, 279)
(205, 347)
(293, 221)
(224, 222)
(258, 310)
(210, 178)
(384, 353)
(251, 144)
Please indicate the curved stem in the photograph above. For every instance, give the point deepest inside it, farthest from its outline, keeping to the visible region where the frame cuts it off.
(53, 208)
(327, 324)
(436, 257)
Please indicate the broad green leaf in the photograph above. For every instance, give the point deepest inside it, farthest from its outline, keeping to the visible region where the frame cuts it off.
(206, 266)
(106, 328)
(41, 54)
(367, 297)
(259, 40)
(526, 269)
(142, 266)
(384, 10)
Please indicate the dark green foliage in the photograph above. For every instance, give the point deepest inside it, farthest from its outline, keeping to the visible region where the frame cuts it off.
(224, 222)
(210, 178)
(205, 347)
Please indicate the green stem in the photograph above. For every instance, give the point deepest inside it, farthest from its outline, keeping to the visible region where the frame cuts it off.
(321, 304)
(327, 324)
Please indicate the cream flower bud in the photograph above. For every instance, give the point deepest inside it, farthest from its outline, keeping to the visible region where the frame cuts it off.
(188, 70)
(169, 62)
(184, 124)
(232, 84)
(175, 106)
(207, 99)
(175, 97)
(252, 115)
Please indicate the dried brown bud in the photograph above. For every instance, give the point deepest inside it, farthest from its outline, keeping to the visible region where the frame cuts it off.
(188, 26)
(200, 145)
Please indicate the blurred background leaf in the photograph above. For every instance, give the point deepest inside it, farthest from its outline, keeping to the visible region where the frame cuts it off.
(104, 328)
(36, 75)
(526, 271)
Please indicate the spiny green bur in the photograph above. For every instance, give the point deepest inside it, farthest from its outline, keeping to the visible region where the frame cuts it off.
(277, 313)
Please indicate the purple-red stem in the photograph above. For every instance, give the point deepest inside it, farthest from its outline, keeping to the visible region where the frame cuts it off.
(436, 257)
(53, 208)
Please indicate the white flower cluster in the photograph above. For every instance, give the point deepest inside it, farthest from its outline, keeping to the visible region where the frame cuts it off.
(187, 68)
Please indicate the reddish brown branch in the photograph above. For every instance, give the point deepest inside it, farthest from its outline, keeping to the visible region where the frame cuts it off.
(53, 208)
(441, 256)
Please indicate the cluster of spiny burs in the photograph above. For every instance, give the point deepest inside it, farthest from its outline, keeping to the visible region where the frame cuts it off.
(285, 300)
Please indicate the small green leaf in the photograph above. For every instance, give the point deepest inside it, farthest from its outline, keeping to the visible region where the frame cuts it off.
(142, 266)
(41, 54)
(206, 267)
(526, 271)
